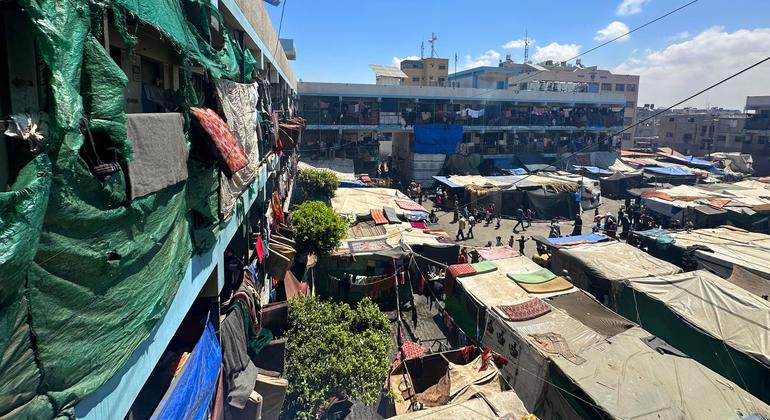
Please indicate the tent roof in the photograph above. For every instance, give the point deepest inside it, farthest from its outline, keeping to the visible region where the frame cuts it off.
(579, 239)
(359, 201)
(343, 168)
(444, 180)
(672, 171)
(615, 261)
(715, 306)
(729, 245)
(503, 402)
(592, 170)
(628, 379)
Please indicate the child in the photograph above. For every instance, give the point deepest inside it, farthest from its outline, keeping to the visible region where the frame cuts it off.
(521, 241)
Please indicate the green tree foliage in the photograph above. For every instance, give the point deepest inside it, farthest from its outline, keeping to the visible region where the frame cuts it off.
(317, 228)
(317, 183)
(334, 351)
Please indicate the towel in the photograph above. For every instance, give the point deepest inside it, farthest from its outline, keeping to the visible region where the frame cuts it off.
(160, 152)
(229, 152)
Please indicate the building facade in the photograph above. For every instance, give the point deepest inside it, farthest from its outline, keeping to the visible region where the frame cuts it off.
(115, 127)
(351, 120)
(700, 132)
(756, 134)
(563, 77)
(431, 71)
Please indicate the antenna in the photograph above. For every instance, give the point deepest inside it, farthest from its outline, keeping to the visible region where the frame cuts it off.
(432, 42)
(422, 50)
(526, 47)
(455, 62)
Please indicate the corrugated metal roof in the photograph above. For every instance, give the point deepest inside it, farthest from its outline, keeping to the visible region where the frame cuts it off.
(388, 71)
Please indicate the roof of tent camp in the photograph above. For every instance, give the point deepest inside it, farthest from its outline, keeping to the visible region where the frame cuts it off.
(343, 168)
(669, 385)
(542, 180)
(729, 246)
(491, 406)
(716, 306)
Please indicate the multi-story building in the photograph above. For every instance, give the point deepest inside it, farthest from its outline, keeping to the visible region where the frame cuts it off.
(551, 76)
(119, 184)
(348, 120)
(646, 132)
(756, 134)
(700, 132)
(430, 71)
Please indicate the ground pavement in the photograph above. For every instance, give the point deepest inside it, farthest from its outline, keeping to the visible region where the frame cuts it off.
(483, 233)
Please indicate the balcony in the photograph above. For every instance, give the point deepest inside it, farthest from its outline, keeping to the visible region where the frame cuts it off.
(758, 123)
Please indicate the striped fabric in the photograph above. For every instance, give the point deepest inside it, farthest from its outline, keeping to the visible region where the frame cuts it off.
(378, 216)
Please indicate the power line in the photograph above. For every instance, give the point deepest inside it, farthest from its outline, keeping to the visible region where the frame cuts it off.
(533, 74)
(280, 26)
(660, 112)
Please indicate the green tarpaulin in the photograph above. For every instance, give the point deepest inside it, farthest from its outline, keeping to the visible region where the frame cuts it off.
(89, 273)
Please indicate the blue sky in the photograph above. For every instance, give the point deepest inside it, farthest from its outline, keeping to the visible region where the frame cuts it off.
(337, 39)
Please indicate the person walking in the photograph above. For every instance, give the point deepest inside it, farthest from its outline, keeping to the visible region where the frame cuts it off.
(456, 211)
(471, 224)
(519, 220)
(577, 228)
(460, 229)
(528, 217)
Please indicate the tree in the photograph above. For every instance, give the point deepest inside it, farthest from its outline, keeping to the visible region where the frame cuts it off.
(318, 183)
(317, 228)
(334, 351)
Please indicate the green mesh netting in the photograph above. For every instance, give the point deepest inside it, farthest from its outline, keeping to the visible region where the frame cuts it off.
(88, 273)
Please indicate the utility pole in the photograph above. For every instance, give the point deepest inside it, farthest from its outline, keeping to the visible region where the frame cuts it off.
(526, 47)
(422, 50)
(432, 42)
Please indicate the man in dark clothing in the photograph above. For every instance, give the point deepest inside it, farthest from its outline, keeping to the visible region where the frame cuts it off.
(456, 211)
(519, 220)
(528, 217)
(578, 226)
(625, 223)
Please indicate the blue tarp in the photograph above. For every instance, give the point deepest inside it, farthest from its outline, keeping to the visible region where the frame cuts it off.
(583, 239)
(592, 170)
(668, 171)
(353, 184)
(437, 138)
(517, 171)
(189, 395)
(444, 180)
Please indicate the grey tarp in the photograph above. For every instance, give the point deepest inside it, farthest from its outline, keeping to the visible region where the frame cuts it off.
(160, 152)
(590, 312)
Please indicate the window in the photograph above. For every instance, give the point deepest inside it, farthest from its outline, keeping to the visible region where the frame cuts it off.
(671, 119)
(606, 86)
(627, 121)
(626, 136)
(631, 87)
(629, 104)
(523, 86)
(669, 134)
(721, 138)
(691, 119)
(703, 130)
(581, 75)
(501, 84)
(441, 79)
(441, 67)
(739, 139)
(415, 79)
(762, 139)
(686, 137)
(620, 87)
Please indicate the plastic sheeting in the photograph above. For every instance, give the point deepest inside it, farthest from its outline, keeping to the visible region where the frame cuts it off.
(670, 171)
(548, 205)
(437, 138)
(190, 394)
(359, 201)
(104, 270)
(491, 406)
(580, 239)
(662, 385)
(728, 246)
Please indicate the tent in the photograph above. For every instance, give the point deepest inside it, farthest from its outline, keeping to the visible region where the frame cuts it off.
(719, 324)
(707, 216)
(671, 174)
(618, 184)
(547, 204)
(501, 403)
(595, 267)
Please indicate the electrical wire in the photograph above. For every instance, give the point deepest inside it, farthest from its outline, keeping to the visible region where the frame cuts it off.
(280, 26)
(530, 75)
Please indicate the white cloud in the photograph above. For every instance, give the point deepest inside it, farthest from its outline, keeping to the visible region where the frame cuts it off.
(397, 61)
(557, 52)
(680, 36)
(681, 69)
(630, 7)
(489, 58)
(612, 31)
(517, 43)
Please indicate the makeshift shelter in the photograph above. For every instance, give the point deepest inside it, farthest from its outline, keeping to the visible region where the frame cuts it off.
(717, 323)
(547, 205)
(670, 174)
(437, 138)
(491, 406)
(617, 185)
(359, 201)
(595, 267)
(343, 168)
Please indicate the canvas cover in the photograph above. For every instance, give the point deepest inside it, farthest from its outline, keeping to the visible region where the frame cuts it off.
(728, 246)
(662, 385)
(359, 201)
(88, 313)
(504, 403)
(712, 320)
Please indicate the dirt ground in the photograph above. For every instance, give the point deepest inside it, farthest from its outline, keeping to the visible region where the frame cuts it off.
(483, 233)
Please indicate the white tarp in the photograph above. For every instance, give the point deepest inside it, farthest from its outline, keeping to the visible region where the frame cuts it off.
(504, 403)
(343, 168)
(715, 306)
(729, 245)
(359, 201)
(630, 380)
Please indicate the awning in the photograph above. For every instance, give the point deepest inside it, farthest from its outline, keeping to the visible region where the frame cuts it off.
(444, 180)
(578, 239)
(592, 170)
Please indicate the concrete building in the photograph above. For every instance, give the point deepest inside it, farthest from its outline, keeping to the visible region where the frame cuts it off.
(388, 75)
(349, 120)
(555, 76)
(646, 133)
(700, 132)
(756, 134)
(430, 71)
